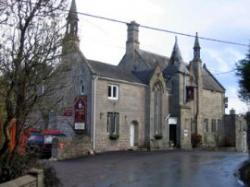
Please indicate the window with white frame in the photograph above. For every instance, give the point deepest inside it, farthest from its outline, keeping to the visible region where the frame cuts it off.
(113, 91)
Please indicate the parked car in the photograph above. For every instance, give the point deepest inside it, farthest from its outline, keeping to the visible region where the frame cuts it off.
(49, 135)
(40, 143)
(35, 143)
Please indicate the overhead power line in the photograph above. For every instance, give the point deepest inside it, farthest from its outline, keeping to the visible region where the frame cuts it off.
(157, 29)
(162, 29)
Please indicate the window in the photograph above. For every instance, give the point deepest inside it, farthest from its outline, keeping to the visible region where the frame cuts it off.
(113, 92)
(81, 88)
(189, 93)
(206, 127)
(158, 92)
(219, 123)
(213, 125)
(113, 123)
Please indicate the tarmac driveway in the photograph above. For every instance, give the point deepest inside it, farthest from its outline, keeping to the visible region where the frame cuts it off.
(152, 169)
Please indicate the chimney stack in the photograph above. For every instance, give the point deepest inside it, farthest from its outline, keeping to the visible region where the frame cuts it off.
(133, 38)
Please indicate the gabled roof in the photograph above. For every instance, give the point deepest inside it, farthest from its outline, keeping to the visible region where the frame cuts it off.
(144, 76)
(112, 71)
(152, 59)
(210, 82)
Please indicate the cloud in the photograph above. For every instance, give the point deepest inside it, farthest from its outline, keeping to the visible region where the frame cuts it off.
(217, 57)
(234, 101)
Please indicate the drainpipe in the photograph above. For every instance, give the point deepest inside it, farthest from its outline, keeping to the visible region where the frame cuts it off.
(94, 78)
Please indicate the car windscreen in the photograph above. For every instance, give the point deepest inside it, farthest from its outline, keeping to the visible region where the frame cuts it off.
(35, 138)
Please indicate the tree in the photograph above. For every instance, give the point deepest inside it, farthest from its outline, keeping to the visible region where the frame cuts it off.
(30, 47)
(243, 71)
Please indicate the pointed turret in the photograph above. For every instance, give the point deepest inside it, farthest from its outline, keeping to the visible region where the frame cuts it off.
(197, 47)
(176, 53)
(72, 20)
(71, 40)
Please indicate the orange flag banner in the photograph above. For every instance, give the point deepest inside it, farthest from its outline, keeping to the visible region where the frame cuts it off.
(12, 134)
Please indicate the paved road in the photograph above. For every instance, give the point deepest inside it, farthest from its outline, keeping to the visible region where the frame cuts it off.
(152, 169)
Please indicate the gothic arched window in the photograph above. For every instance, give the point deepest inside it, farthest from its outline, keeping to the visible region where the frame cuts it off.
(158, 93)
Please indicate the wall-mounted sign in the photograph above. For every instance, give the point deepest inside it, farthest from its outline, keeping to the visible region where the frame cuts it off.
(185, 132)
(172, 121)
(80, 113)
(68, 111)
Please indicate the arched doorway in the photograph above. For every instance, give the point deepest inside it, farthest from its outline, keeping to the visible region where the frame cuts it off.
(133, 131)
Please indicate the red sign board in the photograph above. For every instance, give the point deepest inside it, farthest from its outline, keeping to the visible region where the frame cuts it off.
(68, 111)
(80, 112)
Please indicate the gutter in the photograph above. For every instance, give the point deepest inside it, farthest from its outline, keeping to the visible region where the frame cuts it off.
(94, 78)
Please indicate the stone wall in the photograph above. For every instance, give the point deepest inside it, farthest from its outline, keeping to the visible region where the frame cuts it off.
(130, 106)
(241, 134)
(75, 75)
(66, 148)
(235, 133)
(229, 130)
(158, 110)
(212, 108)
(34, 179)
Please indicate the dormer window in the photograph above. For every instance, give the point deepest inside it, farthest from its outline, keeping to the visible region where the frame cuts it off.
(113, 92)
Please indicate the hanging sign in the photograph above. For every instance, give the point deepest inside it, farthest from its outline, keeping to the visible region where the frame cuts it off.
(80, 113)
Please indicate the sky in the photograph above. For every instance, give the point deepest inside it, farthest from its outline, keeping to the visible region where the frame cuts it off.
(222, 19)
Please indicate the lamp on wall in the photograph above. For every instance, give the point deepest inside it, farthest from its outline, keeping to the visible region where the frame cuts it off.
(101, 114)
(167, 117)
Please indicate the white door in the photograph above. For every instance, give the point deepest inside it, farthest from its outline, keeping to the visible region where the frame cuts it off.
(132, 135)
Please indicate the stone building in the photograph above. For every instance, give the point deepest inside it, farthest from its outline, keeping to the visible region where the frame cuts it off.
(235, 131)
(147, 100)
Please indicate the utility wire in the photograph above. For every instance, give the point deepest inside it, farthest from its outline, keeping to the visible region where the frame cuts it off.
(155, 28)
(226, 72)
(161, 29)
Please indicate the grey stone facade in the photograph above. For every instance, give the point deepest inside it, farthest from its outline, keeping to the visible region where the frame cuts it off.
(147, 101)
(235, 131)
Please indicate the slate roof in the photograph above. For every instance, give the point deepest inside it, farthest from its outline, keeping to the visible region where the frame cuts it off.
(112, 71)
(152, 59)
(210, 82)
(143, 76)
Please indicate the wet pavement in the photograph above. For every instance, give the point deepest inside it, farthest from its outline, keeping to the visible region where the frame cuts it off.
(152, 169)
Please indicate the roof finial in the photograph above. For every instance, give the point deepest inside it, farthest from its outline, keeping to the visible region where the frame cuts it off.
(176, 54)
(196, 42)
(196, 47)
(73, 11)
(71, 36)
(72, 20)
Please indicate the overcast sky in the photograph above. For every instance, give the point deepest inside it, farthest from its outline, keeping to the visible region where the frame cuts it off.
(222, 19)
